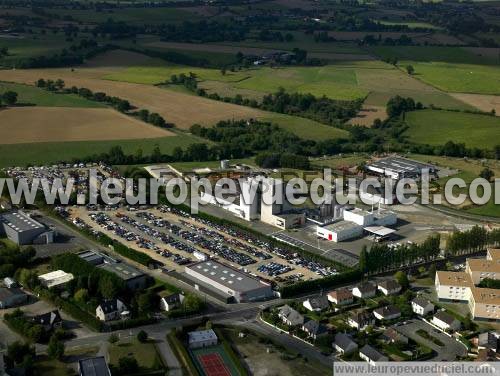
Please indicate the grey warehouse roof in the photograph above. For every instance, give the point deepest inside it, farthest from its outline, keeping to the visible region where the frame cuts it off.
(400, 165)
(226, 276)
(122, 270)
(20, 222)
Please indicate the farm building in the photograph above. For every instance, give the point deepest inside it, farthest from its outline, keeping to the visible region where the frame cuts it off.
(339, 231)
(228, 281)
(202, 338)
(55, 279)
(22, 229)
(399, 168)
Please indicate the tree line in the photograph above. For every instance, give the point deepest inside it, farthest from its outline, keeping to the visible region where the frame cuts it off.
(474, 240)
(382, 257)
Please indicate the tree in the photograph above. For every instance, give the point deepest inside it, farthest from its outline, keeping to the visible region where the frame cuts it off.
(82, 295)
(468, 324)
(402, 279)
(410, 70)
(223, 71)
(9, 97)
(17, 350)
(487, 174)
(432, 271)
(127, 365)
(55, 349)
(362, 260)
(192, 303)
(113, 338)
(142, 336)
(146, 302)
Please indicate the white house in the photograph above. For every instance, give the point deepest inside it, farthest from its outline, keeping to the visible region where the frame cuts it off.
(360, 319)
(112, 309)
(372, 356)
(170, 302)
(290, 316)
(316, 304)
(445, 321)
(421, 306)
(344, 344)
(389, 312)
(389, 287)
(365, 290)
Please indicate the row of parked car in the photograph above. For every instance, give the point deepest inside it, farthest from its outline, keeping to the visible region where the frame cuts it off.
(273, 269)
(291, 257)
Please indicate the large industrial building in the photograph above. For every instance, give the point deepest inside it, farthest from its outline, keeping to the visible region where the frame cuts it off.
(399, 168)
(357, 221)
(22, 229)
(228, 281)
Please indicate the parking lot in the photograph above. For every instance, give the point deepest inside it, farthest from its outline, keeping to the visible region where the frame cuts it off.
(177, 239)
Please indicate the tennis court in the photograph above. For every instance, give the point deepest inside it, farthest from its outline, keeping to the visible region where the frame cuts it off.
(213, 361)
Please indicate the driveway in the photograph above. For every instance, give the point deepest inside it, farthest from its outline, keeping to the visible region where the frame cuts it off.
(449, 351)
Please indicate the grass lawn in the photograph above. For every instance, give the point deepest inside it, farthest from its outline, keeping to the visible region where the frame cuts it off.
(31, 95)
(144, 353)
(338, 162)
(437, 127)
(460, 78)
(51, 152)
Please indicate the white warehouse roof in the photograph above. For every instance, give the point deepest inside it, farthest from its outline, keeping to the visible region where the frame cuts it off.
(55, 278)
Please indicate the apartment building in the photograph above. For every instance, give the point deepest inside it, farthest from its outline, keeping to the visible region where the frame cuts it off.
(484, 303)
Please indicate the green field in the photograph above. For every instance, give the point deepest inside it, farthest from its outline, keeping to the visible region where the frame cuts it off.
(411, 24)
(144, 353)
(437, 127)
(460, 78)
(51, 152)
(30, 95)
(432, 54)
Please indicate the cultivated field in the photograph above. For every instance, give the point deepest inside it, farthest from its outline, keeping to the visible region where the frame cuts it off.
(458, 55)
(181, 109)
(482, 102)
(368, 115)
(49, 124)
(437, 127)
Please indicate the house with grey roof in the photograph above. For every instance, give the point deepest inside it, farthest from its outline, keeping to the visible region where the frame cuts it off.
(365, 290)
(289, 316)
(93, 367)
(421, 306)
(389, 312)
(316, 304)
(389, 287)
(344, 344)
(445, 321)
(391, 335)
(12, 297)
(314, 329)
(360, 319)
(372, 356)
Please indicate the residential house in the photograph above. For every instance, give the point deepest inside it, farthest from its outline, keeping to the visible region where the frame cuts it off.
(93, 367)
(170, 302)
(12, 297)
(389, 312)
(316, 304)
(445, 321)
(489, 341)
(341, 297)
(360, 319)
(112, 309)
(389, 287)
(289, 316)
(372, 356)
(50, 320)
(391, 335)
(422, 306)
(365, 290)
(314, 329)
(344, 344)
